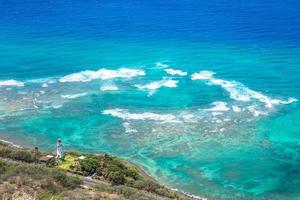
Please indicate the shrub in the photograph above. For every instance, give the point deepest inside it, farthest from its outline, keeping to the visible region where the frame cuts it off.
(116, 163)
(23, 156)
(132, 173)
(125, 191)
(44, 194)
(42, 174)
(72, 182)
(66, 181)
(151, 186)
(3, 167)
(73, 153)
(139, 184)
(18, 154)
(104, 188)
(89, 165)
(116, 178)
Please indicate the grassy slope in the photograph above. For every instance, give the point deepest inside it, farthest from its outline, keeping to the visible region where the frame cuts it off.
(20, 174)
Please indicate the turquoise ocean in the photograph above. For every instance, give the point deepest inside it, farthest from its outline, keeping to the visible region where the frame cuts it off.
(202, 94)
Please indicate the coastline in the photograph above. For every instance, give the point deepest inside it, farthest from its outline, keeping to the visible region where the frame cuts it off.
(144, 172)
(136, 166)
(11, 143)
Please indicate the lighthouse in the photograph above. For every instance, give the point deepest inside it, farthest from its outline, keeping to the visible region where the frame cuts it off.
(59, 149)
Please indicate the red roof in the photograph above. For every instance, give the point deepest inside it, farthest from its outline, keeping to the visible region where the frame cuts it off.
(45, 158)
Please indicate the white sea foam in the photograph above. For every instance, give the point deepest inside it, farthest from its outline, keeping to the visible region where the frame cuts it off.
(203, 75)
(216, 113)
(11, 83)
(236, 109)
(219, 106)
(125, 115)
(53, 106)
(103, 74)
(269, 102)
(238, 91)
(74, 96)
(179, 117)
(44, 85)
(161, 65)
(175, 72)
(128, 128)
(49, 80)
(109, 87)
(153, 86)
(57, 106)
(255, 111)
(189, 118)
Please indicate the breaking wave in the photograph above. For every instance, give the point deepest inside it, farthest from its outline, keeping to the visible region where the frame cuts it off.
(219, 106)
(161, 65)
(74, 96)
(175, 72)
(14, 83)
(109, 87)
(126, 115)
(155, 85)
(238, 91)
(103, 74)
(128, 128)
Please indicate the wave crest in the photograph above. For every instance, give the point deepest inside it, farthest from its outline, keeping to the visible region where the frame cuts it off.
(161, 65)
(175, 72)
(109, 87)
(103, 74)
(125, 115)
(11, 83)
(74, 96)
(238, 91)
(155, 85)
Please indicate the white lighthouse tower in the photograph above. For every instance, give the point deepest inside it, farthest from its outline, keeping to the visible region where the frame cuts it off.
(59, 149)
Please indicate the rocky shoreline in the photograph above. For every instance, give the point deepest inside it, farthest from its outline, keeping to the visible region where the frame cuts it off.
(178, 194)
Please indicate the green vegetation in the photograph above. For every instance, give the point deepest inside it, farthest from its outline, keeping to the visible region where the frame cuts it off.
(21, 174)
(68, 161)
(129, 192)
(34, 178)
(73, 153)
(18, 154)
(118, 172)
(40, 172)
(89, 165)
(108, 168)
(3, 167)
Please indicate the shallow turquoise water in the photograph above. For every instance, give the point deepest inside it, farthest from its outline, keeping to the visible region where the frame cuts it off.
(233, 134)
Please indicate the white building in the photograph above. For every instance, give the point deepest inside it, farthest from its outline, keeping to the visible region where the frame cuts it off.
(59, 152)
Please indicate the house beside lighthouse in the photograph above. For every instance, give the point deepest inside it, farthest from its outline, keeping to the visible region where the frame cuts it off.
(59, 152)
(56, 156)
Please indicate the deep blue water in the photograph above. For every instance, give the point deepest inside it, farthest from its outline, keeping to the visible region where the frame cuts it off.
(226, 126)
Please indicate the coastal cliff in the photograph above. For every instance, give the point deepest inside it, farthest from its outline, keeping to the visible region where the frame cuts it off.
(27, 174)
